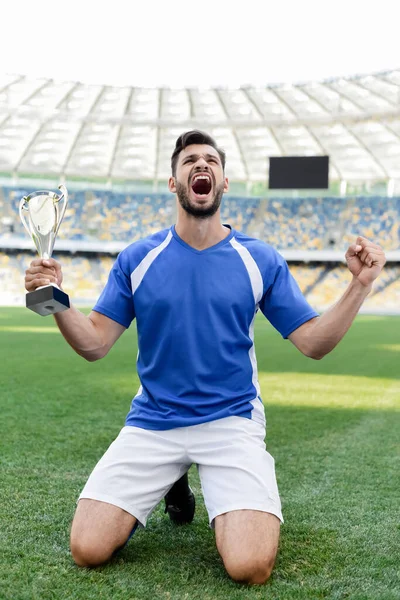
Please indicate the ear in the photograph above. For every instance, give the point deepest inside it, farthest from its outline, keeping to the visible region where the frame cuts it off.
(172, 185)
(226, 185)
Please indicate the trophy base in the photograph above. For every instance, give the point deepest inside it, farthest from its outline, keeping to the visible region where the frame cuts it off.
(47, 300)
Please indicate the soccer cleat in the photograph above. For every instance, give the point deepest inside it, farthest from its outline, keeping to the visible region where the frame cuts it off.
(180, 502)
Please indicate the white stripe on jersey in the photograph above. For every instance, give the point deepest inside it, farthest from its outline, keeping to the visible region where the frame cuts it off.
(257, 286)
(251, 266)
(143, 266)
(139, 392)
(253, 360)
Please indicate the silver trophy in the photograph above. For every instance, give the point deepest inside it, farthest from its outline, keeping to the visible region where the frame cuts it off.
(41, 214)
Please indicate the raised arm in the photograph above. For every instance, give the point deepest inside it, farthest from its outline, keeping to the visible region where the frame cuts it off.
(90, 336)
(319, 336)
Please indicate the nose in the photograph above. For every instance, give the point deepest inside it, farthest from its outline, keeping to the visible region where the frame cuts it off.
(201, 168)
(201, 164)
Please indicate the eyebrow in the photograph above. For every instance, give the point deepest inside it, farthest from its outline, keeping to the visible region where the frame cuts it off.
(196, 156)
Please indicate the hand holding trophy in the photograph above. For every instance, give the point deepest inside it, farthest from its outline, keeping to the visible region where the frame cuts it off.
(41, 214)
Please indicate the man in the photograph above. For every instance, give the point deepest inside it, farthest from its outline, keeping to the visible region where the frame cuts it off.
(194, 290)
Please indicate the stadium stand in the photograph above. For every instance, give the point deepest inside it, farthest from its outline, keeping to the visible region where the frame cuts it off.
(101, 215)
(307, 276)
(330, 287)
(306, 224)
(299, 223)
(240, 213)
(12, 270)
(386, 295)
(377, 218)
(321, 223)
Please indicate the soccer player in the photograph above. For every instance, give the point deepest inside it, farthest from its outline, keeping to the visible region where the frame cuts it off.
(194, 290)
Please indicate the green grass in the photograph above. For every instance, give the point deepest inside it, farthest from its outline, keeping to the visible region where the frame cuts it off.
(332, 425)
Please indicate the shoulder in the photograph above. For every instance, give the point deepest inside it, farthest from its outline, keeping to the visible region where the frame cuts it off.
(268, 260)
(264, 254)
(132, 255)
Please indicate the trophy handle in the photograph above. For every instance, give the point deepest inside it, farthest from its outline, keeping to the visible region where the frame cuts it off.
(61, 205)
(23, 206)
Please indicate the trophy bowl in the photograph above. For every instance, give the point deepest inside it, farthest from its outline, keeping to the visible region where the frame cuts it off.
(41, 214)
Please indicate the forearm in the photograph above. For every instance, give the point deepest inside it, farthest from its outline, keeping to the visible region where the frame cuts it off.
(90, 336)
(81, 334)
(327, 331)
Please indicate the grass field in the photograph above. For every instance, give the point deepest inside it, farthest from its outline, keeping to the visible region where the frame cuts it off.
(333, 427)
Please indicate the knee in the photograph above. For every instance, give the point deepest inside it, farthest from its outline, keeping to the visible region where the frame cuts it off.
(87, 553)
(251, 571)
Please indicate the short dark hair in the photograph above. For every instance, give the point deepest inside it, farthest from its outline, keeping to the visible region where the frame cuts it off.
(194, 137)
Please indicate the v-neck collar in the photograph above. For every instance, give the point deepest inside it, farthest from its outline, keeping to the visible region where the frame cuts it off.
(226, 240)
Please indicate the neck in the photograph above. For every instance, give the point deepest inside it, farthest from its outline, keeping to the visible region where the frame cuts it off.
(200, 233)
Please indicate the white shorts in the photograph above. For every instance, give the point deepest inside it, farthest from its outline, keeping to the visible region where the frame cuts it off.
(235, 470)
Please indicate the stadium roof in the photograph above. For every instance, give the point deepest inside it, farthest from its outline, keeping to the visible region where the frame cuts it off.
(70, 129)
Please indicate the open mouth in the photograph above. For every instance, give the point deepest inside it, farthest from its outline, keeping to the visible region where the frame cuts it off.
(201, 185)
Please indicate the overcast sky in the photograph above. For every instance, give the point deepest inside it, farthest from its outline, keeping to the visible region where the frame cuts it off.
(198, 42)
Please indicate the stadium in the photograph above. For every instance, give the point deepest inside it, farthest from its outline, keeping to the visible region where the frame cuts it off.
(332, 425)
(112, 148)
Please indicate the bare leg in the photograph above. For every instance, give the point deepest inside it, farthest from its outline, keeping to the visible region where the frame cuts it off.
(247, 541)
(98, 529)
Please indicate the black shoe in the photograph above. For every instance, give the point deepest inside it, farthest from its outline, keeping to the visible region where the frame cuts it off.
(180, 502)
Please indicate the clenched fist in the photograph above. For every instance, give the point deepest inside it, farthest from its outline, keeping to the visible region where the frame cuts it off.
(43, 271)
(365, 260)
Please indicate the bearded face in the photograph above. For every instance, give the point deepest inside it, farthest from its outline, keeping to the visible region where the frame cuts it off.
(199, 182)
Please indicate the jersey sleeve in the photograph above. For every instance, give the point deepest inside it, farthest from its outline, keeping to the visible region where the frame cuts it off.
(283, 302)
(116, 301)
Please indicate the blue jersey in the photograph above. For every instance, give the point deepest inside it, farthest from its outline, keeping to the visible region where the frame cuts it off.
(195, 312)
